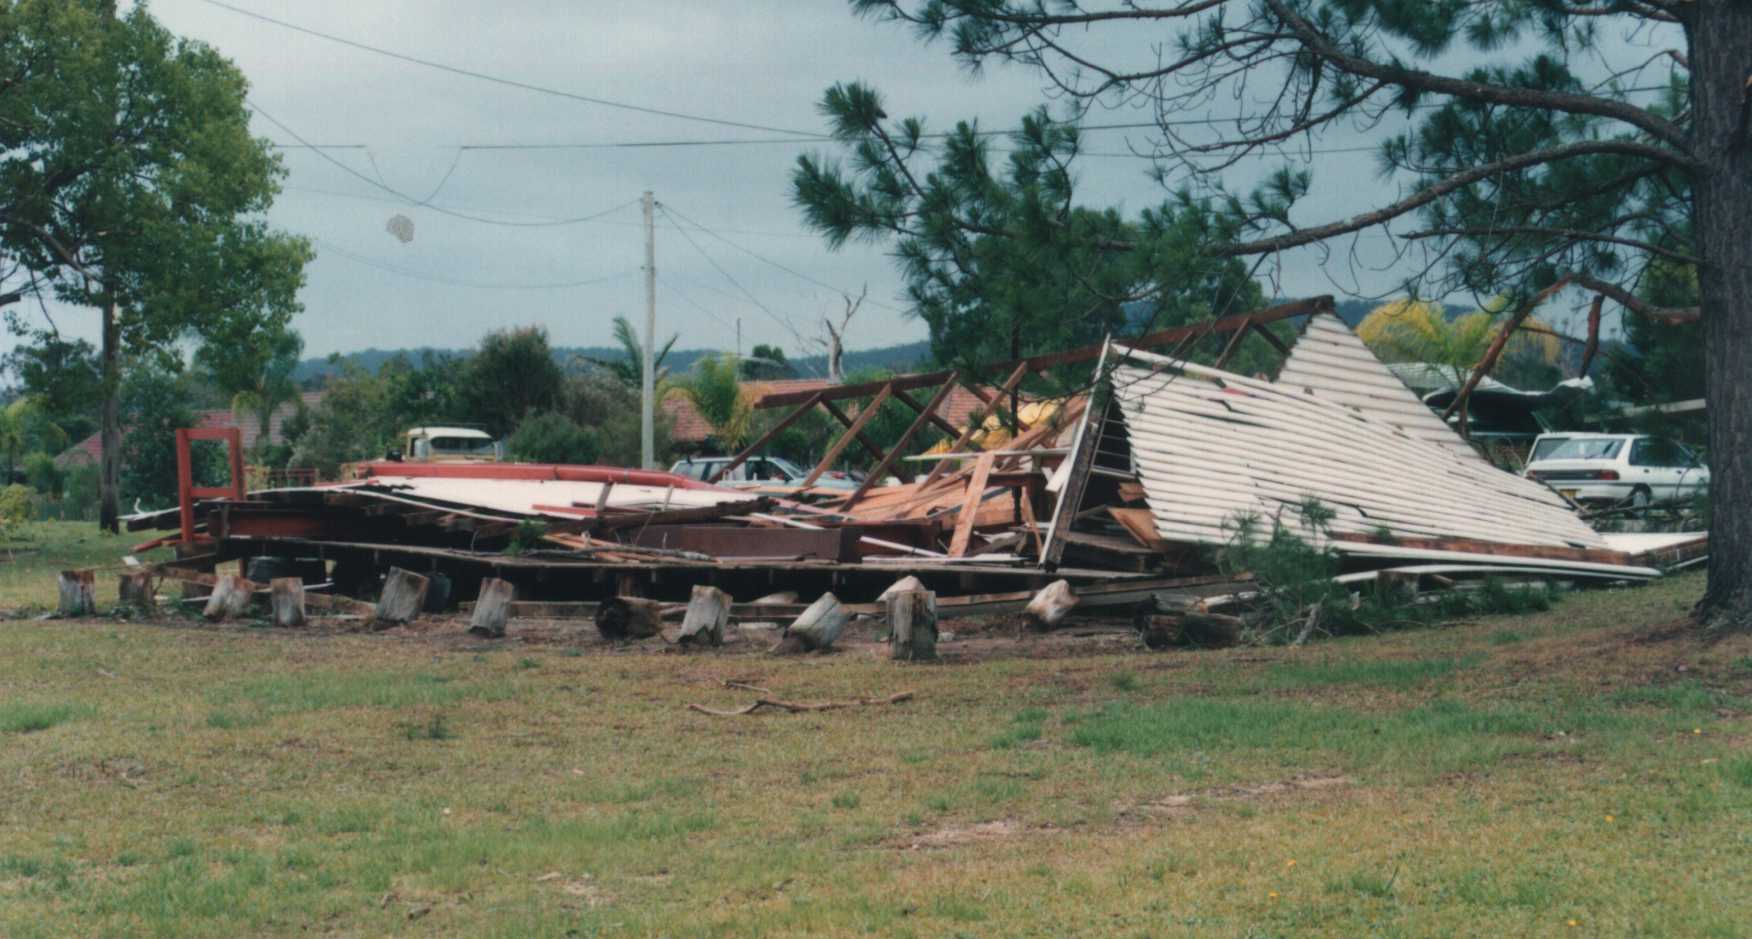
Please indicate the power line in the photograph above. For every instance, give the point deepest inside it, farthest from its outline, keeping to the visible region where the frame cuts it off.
(672, 288)
(769, 261)
(497, 80)
(416, 202)
(781, 320)
(330, 247)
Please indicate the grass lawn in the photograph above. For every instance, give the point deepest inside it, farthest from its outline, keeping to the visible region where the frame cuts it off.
(1580, 772)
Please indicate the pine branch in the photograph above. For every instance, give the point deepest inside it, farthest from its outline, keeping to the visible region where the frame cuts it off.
(1572, 234)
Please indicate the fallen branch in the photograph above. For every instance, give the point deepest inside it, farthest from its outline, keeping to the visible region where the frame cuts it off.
(795, 706)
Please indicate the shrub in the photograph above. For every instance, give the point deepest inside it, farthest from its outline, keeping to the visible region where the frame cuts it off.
(15, 506)
(553, 438)
(44, 476)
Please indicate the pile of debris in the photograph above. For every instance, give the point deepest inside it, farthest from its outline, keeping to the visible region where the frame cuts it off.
(1122, 492)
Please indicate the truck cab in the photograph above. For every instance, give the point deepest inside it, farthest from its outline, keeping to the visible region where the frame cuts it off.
(449, 444)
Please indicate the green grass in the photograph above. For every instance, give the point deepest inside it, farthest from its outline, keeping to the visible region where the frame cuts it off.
(32, 554)
(256, 782)
(21, 717)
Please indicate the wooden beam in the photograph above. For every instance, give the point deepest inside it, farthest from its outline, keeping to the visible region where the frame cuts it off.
(918, 424)
(930, 410)
(1227, 324)
(973, 423)
(1071, 496)
(1233, 345)
(982, 471)
(854, 428)
(767, 437)
(1266, 334)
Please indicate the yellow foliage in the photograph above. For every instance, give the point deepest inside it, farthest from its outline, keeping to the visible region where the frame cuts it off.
(1415, 330)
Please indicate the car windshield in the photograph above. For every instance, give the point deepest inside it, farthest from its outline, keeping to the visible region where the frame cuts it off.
(1586, 449)
(461, 445)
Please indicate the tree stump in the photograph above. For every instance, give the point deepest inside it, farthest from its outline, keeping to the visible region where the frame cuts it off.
(816, 628)
(403, 597)
(78, 593)
(629, 618)
(907, 584)
(492, 608)
(230, 597)
(134, 590)
(708, 611)
(1050, 606)
(286, 599)
(912, 626)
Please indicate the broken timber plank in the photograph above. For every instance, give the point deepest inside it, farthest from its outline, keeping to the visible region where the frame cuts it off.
(982, 470)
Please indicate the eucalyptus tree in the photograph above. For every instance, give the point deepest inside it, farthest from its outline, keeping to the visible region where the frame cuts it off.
(130, 184)
(1527, 144)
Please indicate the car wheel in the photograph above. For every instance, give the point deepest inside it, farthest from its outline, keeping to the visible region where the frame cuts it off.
(1640, 497)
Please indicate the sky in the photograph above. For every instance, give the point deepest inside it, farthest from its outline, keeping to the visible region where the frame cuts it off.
(397, 138)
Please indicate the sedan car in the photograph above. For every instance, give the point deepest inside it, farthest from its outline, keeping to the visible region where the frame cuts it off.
(1633, 469)
(760, 471)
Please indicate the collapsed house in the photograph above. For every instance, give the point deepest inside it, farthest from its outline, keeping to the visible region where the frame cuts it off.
(1124, 488)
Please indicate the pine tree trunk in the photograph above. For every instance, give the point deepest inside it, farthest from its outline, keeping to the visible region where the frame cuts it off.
(110, 433)
(1721, 49)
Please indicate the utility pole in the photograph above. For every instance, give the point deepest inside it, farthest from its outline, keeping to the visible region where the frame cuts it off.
(739, 337)
(648, 380)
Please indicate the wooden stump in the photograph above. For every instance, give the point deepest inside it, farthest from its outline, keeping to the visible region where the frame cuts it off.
(492, 608)
(629, 618)
(1050, 606)
(907, 584)
(403, 597)
(230, 597)
(816, 628)
(708, 611)
(134, 590)
(78, 593)
(912, 626)
(286, 599)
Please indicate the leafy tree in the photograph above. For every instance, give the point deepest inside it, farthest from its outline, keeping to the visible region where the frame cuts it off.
(130, 183)
(1662, 364)
(511, 376)
(258, 377)
(1409, 330)
(610, 408)
(25, 425)
(63, 376)
(553, 438)
(424, 391)
(767, 362)
(1532, 164)
(353, 422)
(43, 475)
(715, 390)
(155, 403)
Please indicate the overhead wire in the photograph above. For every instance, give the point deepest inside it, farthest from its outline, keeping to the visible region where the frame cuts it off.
(500, 80)
(386, 266)
(784, 321)
(668, 210)
(439, 209)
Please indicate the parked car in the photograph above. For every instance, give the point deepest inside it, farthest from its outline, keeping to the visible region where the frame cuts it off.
(1635, 469)
(761, 471)
(448, 444)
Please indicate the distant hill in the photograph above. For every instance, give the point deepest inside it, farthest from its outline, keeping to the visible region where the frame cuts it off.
(905, 357)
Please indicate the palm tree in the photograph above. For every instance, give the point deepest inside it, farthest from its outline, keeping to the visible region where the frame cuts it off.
(631, 369)
(714, 388)
(274, 387)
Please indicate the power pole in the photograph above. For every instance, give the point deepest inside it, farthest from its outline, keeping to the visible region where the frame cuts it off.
(739, 337)
(648, 380)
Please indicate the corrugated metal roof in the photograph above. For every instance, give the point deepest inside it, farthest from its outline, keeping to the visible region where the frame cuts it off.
(1332, 362)
(1211, 446)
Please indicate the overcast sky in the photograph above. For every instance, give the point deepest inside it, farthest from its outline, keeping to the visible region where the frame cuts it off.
(762, 62)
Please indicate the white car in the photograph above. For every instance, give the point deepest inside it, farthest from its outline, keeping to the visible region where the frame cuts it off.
(760, 471)
(1633, 469)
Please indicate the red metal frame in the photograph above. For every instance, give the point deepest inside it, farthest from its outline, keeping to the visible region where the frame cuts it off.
(186, 490)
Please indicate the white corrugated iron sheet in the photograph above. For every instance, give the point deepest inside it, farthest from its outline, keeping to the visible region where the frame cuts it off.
(1211, 446)
(1331, 361)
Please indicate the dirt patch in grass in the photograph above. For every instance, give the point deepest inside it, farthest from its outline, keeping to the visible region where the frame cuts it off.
(956, 836)
(1184, 804)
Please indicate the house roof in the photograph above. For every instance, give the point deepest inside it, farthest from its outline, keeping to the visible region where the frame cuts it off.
(91, 448)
